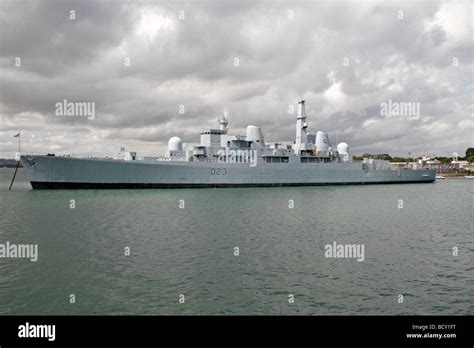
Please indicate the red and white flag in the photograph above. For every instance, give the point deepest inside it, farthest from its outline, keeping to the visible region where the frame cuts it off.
(17, 135)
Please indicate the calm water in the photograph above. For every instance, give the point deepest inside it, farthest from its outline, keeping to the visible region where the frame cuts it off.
(190, 251)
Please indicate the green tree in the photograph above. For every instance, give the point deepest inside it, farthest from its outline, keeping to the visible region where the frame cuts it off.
(386, 157)
(444, 159)
(399, 159)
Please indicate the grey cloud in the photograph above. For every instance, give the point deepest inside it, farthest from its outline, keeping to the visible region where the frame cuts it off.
(190, 62)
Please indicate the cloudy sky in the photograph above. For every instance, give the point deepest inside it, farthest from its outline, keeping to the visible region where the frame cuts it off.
(251, 60)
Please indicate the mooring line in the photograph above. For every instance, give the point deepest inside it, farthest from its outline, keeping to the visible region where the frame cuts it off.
(14, 175)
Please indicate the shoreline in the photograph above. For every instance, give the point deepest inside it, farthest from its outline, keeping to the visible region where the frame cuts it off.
(454, 174)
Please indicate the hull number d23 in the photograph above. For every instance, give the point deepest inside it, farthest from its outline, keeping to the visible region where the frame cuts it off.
(218, 171)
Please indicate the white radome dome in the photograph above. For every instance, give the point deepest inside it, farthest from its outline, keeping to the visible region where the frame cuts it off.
(342, 148)
(175, 144)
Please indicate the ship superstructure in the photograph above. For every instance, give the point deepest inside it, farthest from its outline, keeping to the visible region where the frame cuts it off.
(216, 145)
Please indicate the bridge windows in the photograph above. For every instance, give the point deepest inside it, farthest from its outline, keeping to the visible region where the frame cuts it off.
(304, 159)
(277, 159)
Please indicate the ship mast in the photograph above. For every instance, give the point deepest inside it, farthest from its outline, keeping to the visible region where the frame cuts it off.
(223, 124)
(300, 143)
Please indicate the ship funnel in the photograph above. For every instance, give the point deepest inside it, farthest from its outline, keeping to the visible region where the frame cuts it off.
(322, 141)
(255, 134)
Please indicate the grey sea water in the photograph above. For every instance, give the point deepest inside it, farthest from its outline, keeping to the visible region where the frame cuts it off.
(190, 250)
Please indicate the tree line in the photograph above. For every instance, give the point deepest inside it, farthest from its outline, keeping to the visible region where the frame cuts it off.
(468, 157)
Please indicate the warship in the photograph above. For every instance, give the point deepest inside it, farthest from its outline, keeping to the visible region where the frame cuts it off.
(223, 160)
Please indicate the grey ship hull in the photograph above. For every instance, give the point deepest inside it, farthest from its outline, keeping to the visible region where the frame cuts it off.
(51, 172)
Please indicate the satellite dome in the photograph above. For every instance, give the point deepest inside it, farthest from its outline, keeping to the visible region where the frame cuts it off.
(342, 148)
(175, 144)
